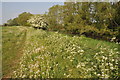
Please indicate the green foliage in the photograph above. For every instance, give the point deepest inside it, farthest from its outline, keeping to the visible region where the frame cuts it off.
(55, 55)
(55, 17)
(12, 22)
(117, 15)
(98, 19)
(21, 20)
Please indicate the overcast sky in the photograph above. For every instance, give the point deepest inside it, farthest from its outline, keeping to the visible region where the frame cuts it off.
(11, 10)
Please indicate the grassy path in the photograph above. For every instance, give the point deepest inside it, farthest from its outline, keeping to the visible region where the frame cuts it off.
(13, 40)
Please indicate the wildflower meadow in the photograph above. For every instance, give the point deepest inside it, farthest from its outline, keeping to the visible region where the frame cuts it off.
(55, 55)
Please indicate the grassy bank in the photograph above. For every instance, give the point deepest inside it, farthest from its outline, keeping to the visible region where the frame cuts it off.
(55, 55)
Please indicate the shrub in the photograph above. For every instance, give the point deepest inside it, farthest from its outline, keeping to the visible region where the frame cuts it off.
(38, 21)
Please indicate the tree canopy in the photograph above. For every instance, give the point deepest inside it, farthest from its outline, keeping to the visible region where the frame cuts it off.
(20, 20)
(93, 19)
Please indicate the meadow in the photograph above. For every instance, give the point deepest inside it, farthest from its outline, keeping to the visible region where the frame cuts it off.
(35, 53)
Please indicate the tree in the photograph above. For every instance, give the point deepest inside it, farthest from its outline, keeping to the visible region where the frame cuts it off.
(101, 20)
(55, 17)
(116, 21)
(20, 20)
(23, 17)
(12, 22)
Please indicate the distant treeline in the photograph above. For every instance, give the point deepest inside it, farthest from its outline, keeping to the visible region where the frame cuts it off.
(92, 19)
(21, 20)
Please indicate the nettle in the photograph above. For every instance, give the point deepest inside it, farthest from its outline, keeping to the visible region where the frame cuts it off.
(38, 21)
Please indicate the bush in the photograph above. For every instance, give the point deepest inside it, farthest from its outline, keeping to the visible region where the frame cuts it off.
(38, 21)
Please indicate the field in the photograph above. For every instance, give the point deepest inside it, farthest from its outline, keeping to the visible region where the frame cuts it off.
(35, 53)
